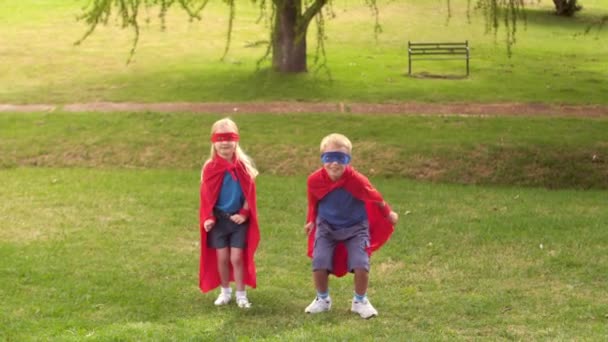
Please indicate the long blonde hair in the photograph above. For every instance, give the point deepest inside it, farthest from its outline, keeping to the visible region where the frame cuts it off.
(239, 153)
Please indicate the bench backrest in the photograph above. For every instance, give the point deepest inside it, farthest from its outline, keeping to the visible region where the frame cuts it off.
(460, 48)
(442, 51)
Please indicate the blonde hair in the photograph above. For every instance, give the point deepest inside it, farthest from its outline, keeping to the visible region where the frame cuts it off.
(337, 140)
(239, 153)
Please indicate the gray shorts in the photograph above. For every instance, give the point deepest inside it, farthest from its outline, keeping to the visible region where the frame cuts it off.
(226, 233)
(355, 238)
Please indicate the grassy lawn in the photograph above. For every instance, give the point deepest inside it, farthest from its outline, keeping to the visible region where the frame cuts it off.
(113, 255)
(550, 152)
(553, 61)
(503, 222)
(99, 235)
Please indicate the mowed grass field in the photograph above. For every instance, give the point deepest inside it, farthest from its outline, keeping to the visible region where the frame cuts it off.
(99, 233)
(503, 223)
(553, 61)
(550, 152)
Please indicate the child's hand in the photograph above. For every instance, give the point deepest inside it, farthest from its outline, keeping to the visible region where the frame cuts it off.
(238, 218)
(208, 224)
(308, 227)
(393, 217)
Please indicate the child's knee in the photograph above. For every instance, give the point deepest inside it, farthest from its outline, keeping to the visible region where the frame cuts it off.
(236, 259)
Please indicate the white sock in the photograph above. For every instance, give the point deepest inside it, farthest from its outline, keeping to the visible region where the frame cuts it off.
(241, 294)
(227, 290)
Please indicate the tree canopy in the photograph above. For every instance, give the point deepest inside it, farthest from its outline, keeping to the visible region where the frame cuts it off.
(290, 20)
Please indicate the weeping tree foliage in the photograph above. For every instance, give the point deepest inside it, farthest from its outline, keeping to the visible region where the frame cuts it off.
(506, 13)
(288, 21)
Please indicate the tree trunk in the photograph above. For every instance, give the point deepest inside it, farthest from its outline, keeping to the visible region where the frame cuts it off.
(289, 38)
(566, 7)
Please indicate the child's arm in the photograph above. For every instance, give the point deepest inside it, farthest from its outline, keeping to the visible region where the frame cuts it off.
(206, 217)
(308, 227)
(242, 214)
(393, 217)
(376, 196)
(208, 224)
(311, 215)
(388, 212)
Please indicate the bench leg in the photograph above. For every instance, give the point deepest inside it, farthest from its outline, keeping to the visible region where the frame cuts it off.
(409, 66)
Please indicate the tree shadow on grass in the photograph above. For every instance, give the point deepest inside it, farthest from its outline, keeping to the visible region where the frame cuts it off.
(193, 83)
(580, 23)
(428, 75)
(247, 84)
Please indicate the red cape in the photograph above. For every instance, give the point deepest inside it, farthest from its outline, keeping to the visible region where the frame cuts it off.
(213, 175)
(380, 228)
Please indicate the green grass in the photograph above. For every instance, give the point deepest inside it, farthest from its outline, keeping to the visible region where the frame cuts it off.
(99, 232)
(550, 152)
(98, 211)
(113, 255)
(553, 61)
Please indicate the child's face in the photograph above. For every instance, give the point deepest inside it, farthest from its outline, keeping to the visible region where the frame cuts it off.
(335, 169)
(225, 149)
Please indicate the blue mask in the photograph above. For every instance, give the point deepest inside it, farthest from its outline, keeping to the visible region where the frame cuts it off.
(339, 157)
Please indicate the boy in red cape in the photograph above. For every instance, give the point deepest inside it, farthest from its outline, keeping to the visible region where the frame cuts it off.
(347, 220)
(228, 217)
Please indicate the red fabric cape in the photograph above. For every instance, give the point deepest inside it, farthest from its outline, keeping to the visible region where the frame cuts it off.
(380, 228)
(213, 174)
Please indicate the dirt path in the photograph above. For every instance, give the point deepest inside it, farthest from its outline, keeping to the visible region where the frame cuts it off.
(475, 109)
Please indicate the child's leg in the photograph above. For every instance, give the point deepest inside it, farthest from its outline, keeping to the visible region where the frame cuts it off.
(358, 259)
(321, 280)
(361, 304)
(236, 259)
(322, 301)
(223, 256)
(238, 242)
(361, 281)
(321, 264)
(323, 253)
(224, 271)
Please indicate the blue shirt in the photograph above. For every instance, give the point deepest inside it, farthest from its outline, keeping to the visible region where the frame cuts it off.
(231, 196)
(341, 210)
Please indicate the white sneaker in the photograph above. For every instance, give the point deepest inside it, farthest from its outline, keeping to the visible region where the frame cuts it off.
(243, 303)
(319, 305)
(223, 299)
(364, 308)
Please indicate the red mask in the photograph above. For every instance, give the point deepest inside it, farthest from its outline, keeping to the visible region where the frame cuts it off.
(217, 137)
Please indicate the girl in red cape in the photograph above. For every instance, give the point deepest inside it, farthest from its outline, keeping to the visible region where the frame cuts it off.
(228, 217)
(347, 220)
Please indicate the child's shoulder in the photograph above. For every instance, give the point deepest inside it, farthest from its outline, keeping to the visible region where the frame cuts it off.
(209, 168)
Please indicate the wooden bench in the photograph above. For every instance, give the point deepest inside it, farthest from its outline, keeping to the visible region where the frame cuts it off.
(437, 51)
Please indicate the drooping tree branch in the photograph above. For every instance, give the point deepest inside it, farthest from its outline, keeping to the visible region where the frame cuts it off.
(320, 59)
(100, 11)
(599, 24)
(376, 14)
(230, 23)
(312, 11)
(298, 13)
(510, 11)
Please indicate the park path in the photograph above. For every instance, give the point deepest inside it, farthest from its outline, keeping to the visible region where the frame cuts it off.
(473, 109)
